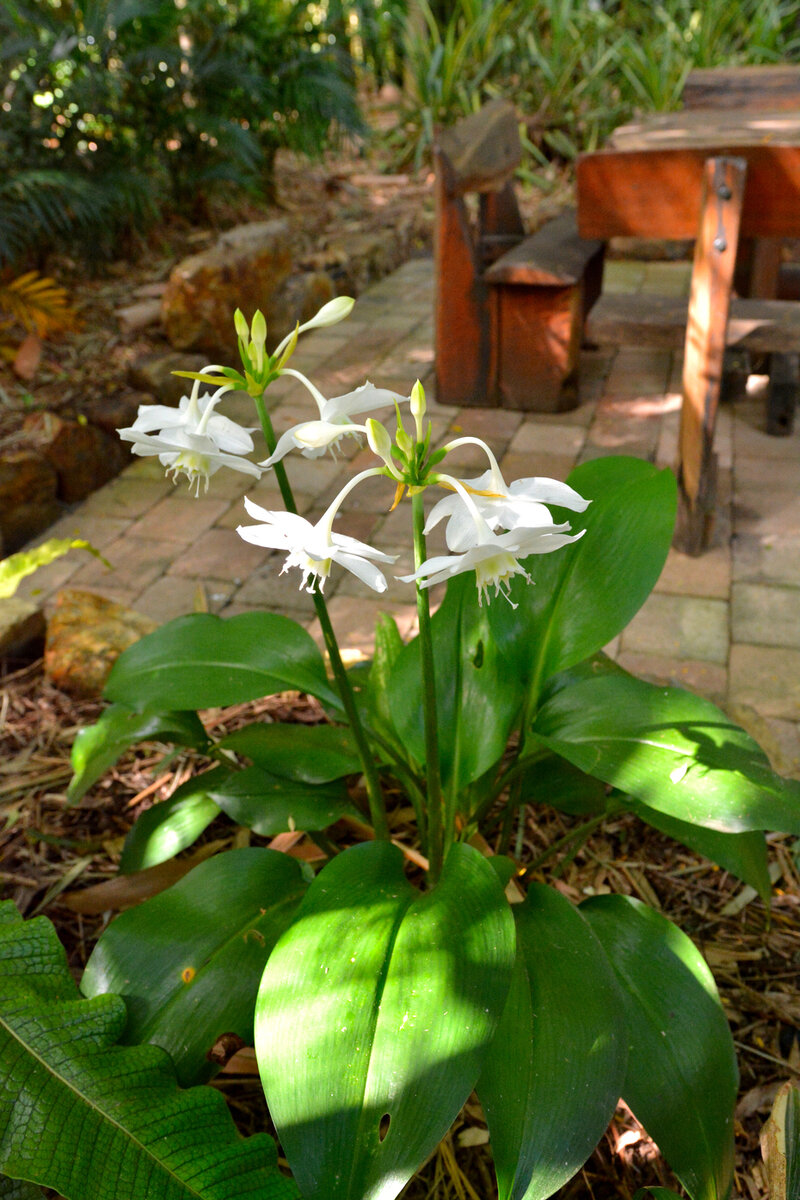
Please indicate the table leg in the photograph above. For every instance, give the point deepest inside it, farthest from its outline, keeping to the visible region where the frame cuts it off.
(709, 303)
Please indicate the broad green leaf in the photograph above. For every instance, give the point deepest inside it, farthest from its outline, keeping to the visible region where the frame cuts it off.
(189, 961)
(553, 1075)
(374, 1011)
(655, 1193)
(15, 567)
(743, 854)
(477, 698)
(682, 1079)
(98, 746)
(307, 753)
(552, 780)
(269, 804)
(674, 751)
(204, 661)
(93, 1119)
(583, 595)
(165, 829)
(780, 1145)
(388, 648)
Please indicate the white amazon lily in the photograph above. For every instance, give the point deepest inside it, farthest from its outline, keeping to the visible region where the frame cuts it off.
(494, 557)
(518, 505)
(313, 438)
(192, 439)
(314, 548)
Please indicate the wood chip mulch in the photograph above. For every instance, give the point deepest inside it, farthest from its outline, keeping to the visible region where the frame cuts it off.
(50, 852)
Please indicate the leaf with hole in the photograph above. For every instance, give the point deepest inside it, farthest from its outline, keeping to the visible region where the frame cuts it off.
(553, 1073)
(373, 1014)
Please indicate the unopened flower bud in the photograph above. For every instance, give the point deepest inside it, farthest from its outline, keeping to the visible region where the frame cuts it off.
(418, 407)
(379, 441)
(240, 322)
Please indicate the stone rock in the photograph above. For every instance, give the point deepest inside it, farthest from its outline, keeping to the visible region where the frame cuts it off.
(246, 269)
(138, 316)
(116, 411)
(302, 296)
(21, 625)
(28, 501)
(85, 635)
(152, 373)
(83, 456)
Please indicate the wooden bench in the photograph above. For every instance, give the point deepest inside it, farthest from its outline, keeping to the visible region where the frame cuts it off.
(509, 308)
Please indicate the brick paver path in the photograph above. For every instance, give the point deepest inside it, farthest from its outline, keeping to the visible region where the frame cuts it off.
(727, 624)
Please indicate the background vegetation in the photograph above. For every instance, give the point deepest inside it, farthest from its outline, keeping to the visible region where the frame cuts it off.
(115, 110)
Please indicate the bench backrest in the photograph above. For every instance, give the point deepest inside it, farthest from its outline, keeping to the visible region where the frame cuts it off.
(481, 152)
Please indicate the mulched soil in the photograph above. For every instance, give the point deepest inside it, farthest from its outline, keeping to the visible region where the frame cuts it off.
(50, 854)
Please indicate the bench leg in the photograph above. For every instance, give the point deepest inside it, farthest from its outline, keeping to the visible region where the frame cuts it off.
(712, 279)
(784, 381)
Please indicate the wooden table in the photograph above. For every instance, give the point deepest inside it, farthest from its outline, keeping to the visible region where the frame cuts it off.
(715, 175)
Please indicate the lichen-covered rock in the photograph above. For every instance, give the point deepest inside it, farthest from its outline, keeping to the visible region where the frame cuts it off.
(28, 501)
(85, 635)
(246, 269)
(82, 455)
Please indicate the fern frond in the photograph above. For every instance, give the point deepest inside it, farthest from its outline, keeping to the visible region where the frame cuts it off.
(96, 1120)
(37, 303)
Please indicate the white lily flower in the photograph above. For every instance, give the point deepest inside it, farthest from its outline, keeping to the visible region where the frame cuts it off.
(313, 438)
(494, 557)
(519, 505)
(192, 439)
(314, 548)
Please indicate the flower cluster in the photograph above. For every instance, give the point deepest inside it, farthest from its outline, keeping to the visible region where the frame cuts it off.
(491, 525)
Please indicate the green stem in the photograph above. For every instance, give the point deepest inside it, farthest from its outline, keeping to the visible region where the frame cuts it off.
(439, 837)
(578, 835)
(371, 778)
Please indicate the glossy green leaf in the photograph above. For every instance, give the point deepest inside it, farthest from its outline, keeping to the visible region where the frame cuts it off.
(204, 661)
(677, 753)
(477, 698)
(743, 854)
(189, 961)
(553, 1074)
(552, 780)
(89, 1118)
(269, 804)
(307, 753)
(583, 595)
(374, 1011)
(681, 1080)
(168, 827)
(98, 746)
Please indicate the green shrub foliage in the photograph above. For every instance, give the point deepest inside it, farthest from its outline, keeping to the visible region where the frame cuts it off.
(113, 110)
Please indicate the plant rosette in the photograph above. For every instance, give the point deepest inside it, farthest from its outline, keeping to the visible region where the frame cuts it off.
(380, 990)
